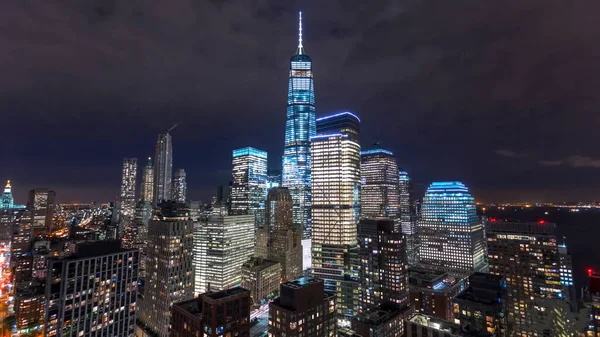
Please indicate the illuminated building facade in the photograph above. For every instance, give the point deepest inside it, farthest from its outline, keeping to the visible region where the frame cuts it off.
(41, 202)
(98, 270)
(29, 308)
(299, 128)
(527, 255)
(431, 292)
(303, 308)
(273, 178)
(7, 201)
(284, 238)
(249, 186)
(222, 244)
(407, 218)
(169, 269)
(593, 329)
(383, 272)
(336, 208)
(451, 236)
(163, 168)
(147, 190)
(379, 189)
(179, 186)
(128, 181)
(261, 277)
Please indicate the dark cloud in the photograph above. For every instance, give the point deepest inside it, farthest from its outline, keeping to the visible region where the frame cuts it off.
(442, 83)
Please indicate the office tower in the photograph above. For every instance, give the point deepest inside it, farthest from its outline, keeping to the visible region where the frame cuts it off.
(303, 308)
(97, 270)
(481, 305)
(283, 238)
(566, 276)
(261, 277)
(179, 193)
(147, 191)
(223, 313)
(384, 321)
(379, 189)
(249, 188)
(223, 196)
(169, 271)
(273, 178)
(450, 234)
(128, 181)
(30, 300)
(7, 201)
(299, 128)
(335, 208)
(41, 203)
(163, 168)
(431, 292)
(383, 272)
(407, 217)
(222, 243)
(22, 234)
(527, 255)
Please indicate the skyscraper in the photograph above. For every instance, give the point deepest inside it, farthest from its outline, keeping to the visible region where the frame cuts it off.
(222, 244)
(163, 168)
(407, 219)
(336, 207)
(284, 239)
(249, 188)
(147, 194)
(101, 273)
(179, 186)
(128, 181)
(451, 234)
(379, 189)
(299, 127)
(41, 202)
(383, 272)
(528, 256)
(169, 270)
(7, 197)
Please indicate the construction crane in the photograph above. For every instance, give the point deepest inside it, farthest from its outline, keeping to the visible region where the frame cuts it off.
(171, 128)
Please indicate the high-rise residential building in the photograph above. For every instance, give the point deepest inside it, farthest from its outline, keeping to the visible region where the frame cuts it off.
(303, 308)
(299, 128)
(179, 186)
(30, 300)
(450, 234)
(169, 270)
(41, 202)
(407, 217)
(222, 243)
(283, 237)
(147, 188)
(527, 255)
(249, 187)
(379, 184)
(97, 270)
(214, 314)
(383, 267)
(481, 305)
(7, 201)
(128, 181)
(163, 168)
(261, 277)
(336, 208)
(431, 292)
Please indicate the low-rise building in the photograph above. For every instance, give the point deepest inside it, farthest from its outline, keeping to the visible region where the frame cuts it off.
(261, 277)
(431, 292)
(385, 321)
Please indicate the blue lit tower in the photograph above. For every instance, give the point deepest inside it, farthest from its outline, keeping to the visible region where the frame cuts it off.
(7, 198)
(451, 235)
(299, 127)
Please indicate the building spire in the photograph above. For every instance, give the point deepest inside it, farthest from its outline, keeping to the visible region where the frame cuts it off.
(300, 47)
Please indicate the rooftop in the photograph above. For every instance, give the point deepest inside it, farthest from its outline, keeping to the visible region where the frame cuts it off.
(192, 306)
(226, 293)
(380, 315)
(301, 282)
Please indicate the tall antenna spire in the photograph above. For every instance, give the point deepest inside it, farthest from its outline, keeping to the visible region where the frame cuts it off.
(300, 47)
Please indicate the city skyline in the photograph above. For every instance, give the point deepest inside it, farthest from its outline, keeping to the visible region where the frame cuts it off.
(507, 141)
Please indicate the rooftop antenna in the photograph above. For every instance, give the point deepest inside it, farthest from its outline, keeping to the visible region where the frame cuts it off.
(300, 47)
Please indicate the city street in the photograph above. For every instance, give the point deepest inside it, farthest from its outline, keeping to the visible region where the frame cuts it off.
(260, 329)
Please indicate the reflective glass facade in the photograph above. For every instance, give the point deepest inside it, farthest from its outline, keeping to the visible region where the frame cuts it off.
(249, 184)
(379, 184)
(163, 168)
(451, 235)
(300, 126)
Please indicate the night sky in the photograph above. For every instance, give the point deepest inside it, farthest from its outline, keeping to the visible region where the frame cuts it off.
(502, 95)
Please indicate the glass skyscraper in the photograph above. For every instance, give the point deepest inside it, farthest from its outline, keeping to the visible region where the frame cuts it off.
(163, 168)
(379, 184)
(128, 180)
(249, 185)
(407, 217)
(451, 235)
(299, 128)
